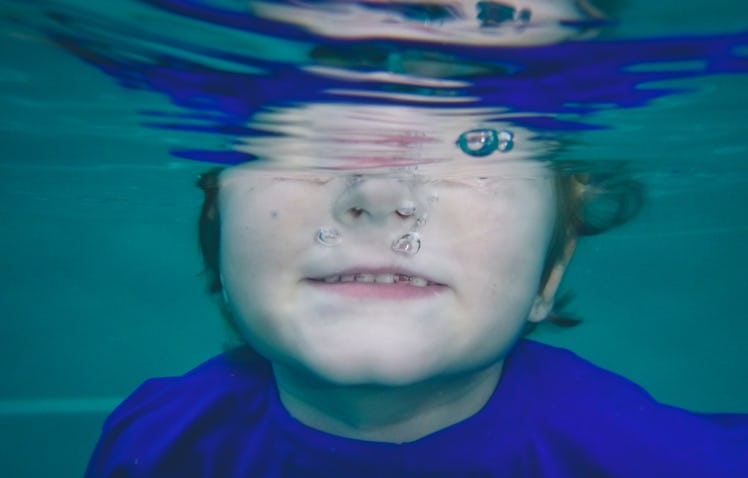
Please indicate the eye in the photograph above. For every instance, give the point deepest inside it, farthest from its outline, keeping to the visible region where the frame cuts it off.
(482, 142)
(492, 14)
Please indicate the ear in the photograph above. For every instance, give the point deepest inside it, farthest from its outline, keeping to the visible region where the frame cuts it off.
(543, 304)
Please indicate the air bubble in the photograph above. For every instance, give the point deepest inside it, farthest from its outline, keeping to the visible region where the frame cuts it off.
(482, 142)
(478, 142)
(506, 140)
(329, 236)
(408, 244)
(407, 208)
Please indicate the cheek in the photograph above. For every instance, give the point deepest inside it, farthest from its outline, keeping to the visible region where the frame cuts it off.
(501, 230)
(267, 224)
(263, 230)
(252, 245)
(501, 247)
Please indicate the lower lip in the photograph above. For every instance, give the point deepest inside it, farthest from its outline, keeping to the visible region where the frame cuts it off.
(374, 290)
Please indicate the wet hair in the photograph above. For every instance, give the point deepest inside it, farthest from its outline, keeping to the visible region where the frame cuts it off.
(588, 204)
(209, 228)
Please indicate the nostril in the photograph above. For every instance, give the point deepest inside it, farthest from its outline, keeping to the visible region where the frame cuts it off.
(355, 212)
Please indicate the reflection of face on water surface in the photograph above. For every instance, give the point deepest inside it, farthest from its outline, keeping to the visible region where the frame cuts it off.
(528, 22)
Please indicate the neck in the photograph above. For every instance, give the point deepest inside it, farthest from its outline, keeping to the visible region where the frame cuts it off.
(383, 413)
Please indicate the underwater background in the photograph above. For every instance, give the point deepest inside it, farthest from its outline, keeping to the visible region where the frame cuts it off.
(100, 273)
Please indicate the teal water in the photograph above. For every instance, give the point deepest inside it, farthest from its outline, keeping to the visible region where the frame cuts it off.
(100, 272)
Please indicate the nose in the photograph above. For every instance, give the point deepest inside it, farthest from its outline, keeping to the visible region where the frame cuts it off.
(378, 201)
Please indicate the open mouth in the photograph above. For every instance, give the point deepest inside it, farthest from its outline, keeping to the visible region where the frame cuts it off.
(387, 285)
(382, 278)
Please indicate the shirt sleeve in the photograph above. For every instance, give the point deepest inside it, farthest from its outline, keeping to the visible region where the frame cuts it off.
(596, 421)
(168, 426)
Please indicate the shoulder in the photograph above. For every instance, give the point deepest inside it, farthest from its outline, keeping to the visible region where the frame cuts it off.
(163, 416)
(224, 377)
(585, 414)
(567, 375)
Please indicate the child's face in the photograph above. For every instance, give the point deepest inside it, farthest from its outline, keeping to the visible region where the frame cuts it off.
(483, 246)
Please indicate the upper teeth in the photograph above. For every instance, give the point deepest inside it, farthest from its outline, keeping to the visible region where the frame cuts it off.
(379, 278)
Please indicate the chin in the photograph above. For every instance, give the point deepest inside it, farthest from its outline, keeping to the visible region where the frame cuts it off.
(374, 371)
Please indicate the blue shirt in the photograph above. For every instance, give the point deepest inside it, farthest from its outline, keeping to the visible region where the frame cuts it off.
(552, 415)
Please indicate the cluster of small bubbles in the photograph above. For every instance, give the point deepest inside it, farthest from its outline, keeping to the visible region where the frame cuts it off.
(329, 236)
(408, 244)
(482, 142)
(420, 222)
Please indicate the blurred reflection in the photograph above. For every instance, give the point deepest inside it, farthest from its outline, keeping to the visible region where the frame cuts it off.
(362, 136)
(466, 22)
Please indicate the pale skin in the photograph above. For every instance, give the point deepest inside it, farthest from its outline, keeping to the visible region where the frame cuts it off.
(366, 360)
